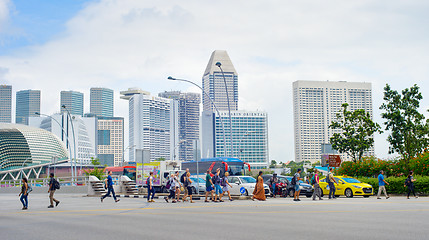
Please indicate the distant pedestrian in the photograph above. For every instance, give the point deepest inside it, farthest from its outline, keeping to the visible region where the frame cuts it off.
(218, 189)
(209, 186)
(187, 185)
(259, 191)
(182, 181)
(295, 183)
(150, 188)
(225, 186)
(171, 186)
(331, 180)
(316, 186)
(273, 183)
(53, 186)
(109, 183)
(24, 194)
(178, 185)
(409, 182)
(381, 185)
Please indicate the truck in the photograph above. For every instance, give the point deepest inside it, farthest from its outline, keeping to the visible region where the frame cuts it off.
(161, 172)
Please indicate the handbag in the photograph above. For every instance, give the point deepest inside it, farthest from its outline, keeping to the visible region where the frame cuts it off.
(29, 189)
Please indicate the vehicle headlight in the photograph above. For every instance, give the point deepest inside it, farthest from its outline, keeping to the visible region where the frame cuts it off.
(356, 186)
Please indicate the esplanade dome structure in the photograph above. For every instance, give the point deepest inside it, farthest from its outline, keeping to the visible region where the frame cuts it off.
(21, 143)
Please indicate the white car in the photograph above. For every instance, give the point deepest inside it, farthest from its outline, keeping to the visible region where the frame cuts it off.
(244, 185)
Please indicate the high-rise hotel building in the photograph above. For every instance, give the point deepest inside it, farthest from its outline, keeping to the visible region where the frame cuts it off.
(5, 103)
(316, 104)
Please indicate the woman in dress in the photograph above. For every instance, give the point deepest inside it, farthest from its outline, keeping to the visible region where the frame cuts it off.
(259, 192)
(225, 186)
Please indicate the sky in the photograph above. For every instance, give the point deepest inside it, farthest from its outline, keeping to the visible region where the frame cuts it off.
(76, 44)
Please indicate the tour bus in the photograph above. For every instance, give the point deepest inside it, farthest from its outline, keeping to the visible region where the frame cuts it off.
(234, 166)
(129, 171)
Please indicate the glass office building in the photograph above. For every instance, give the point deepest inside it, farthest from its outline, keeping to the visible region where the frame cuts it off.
(101, 102)
(73, 101)
(27, 104)
(6, 103)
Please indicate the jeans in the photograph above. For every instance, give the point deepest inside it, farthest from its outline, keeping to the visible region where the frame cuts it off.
(51, 197)
(24, 200)
(274, 189)
(110, 190)
(317, 191)
(218, 189)
(149, 192)
(331, 190)
(411, 190)
(381, 188)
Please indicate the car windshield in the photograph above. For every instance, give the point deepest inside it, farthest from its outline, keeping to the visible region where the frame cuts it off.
(351, 180)
(200, 180)
(248, 180)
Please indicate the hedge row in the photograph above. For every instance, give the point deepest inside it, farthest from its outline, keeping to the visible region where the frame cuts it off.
(396, 184)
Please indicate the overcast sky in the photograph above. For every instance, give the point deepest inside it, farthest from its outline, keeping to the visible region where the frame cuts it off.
(76, 45)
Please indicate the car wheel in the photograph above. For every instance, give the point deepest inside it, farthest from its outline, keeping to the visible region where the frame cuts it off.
(194, 190)
(309, 195)
(291, 193)
(348, 193)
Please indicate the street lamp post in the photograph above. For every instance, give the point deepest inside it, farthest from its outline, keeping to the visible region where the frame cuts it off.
(214, 105)
(123, 158)
(67, 136)
(229, 107)
(74, 138)
(241, 139)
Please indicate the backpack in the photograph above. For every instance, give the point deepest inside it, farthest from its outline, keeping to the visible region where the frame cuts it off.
(328, 180)
(293, 181)
(182, 178)
(407, 181)
(148, 182)
(29, 189)
(223, 182)
(313, 180)
(168, 185)
(56, 184)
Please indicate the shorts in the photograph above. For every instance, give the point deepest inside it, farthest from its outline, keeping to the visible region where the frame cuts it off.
(296, 187)
(209, 188)
(188, 190)
(218, 189)
(225, 188)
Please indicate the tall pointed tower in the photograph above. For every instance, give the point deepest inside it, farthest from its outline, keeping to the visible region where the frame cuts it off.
(213, 83)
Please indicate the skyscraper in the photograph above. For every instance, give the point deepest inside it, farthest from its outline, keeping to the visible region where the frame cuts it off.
(6, 103)
(73, 101)
(188, 122)
(27, 104)
(101, 102)
(151, 123)
(214, 84)
(110, 140)
(316, 104)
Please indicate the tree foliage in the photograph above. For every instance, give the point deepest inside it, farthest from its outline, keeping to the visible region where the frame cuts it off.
(357, 130)
(408, 128)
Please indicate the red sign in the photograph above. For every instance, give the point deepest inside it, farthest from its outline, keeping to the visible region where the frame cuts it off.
(334, 161)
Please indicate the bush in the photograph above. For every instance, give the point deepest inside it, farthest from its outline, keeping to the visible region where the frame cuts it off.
(396, 184)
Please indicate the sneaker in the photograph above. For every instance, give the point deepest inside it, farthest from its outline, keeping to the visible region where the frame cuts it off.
(298, 199)
(117, 200)
(295, 200)
(174, 201)
(56, 204)
(23, 208)
(206, 201)
(220, 200)
(231, 199)
(320, 198)
(380, 198)
(387, 197)
(166, 199)
(417, 197)
(51, 206)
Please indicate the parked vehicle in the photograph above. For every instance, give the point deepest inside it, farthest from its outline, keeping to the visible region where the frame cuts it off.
(281, 186)
(198, 185)
(306, 189)
(347, 186)
(244, 185)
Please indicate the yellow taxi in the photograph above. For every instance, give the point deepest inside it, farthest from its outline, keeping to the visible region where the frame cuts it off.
(347, 186)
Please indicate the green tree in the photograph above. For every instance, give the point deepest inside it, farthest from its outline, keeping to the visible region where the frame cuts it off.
(95, 161)
(408, 129)
(160, 159)
(273, 164)
(357, 130)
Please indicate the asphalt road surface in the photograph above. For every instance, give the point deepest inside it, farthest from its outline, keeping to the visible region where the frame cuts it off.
(79, 217)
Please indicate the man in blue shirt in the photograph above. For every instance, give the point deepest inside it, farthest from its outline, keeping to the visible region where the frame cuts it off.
(109, 182)
(381, 185)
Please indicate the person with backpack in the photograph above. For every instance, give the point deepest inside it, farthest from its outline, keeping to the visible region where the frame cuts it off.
(171, 186)
(381, 185)
(53, 186)
(331, 180)
(109, 183)
(187, 185)
(315, 183)
(295, 183)
(182, 181)
(150, 188)
(209, 186)
(273, 183)
(24, 194)
(409, 182)
(225, 186)
(218, 190)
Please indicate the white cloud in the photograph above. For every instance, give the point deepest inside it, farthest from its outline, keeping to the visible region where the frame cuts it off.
(121, 44)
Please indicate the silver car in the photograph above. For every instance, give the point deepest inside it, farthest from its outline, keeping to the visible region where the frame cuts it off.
(244, 185)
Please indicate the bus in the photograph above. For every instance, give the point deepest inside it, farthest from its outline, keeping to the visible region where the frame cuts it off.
(129, 171)
(234, 166)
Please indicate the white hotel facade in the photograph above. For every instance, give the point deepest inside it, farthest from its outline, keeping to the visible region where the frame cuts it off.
(316, 104)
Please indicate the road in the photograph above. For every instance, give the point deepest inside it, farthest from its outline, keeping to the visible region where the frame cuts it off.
(79, 217)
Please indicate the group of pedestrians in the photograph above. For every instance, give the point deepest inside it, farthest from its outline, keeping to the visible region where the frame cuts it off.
(26, 189)
(217, 186)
